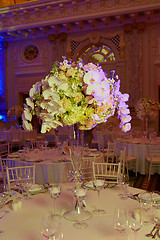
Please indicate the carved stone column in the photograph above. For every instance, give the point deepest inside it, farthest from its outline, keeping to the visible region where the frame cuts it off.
(3, 105)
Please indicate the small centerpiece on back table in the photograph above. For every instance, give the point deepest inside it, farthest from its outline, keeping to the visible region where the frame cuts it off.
(146, 108)
(15, 112)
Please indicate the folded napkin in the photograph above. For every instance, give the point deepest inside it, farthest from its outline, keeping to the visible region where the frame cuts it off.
(35, 188)
(17, 204)
(149, 196)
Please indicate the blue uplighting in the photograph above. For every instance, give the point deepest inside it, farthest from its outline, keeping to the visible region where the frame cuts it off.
(1, 42)
(3, 117)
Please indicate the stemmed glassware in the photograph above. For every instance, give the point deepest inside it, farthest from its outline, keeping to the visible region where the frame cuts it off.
(146, 207)
(123, 180)
(80, 195)
(50, 228)
(98, 184)
(2, 211)
(120, 222)
(135, 221)
(27, 184)
(55, 191)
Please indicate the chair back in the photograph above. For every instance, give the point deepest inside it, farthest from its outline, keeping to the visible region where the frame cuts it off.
(21, 173)
(123, 156)
(108, 171)
(154, 150)
(100, 140)
(4, 163)
(109, 157)
(86, 169)
(4, 149)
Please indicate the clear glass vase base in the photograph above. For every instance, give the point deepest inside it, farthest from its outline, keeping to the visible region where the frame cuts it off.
(55, 217)
(98, 212)
(80, 225)
(75, 216)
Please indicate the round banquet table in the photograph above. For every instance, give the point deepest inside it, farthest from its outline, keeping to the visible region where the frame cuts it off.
(25, 223)
(140, 151)
(51, 168)
(20, 134)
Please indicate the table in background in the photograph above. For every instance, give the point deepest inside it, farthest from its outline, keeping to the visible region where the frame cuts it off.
(55, 169)
(140, 151)
(22, 135)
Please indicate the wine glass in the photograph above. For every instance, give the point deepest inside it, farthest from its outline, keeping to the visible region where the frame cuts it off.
(146, 207)
(123, 182)
(135, 221)
(98, 184)
(2, 211)
(50, 228)
(55, 191)
(120, 222)
(27, 184)
(80, 195)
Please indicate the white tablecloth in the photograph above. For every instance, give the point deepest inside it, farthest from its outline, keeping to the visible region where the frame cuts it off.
(25, 224)
(20, 134)
(140, 151)
(53, 167)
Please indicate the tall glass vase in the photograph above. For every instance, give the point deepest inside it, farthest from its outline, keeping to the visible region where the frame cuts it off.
(76, 152)
(146, 126)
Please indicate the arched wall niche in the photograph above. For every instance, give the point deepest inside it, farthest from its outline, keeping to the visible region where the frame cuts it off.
(95, 38)
(115, 41)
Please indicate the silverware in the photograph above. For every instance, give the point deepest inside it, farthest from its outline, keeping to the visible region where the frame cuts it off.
(154, 232)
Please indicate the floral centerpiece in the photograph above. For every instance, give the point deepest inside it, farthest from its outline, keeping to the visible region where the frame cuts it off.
(74, 92)
(147, 107)
(15, 111)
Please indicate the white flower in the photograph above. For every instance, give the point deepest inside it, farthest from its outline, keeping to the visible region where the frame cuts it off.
(27, 125)
(52, 81)
(30, 103)
(35, 89)
(27, 114)
(126, 127)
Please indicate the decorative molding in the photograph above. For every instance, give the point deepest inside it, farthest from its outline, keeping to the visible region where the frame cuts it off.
(155, 32)
(61, 37)
(52, 17)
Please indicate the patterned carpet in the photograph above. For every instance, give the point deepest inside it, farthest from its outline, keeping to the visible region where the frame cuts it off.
(143, 183)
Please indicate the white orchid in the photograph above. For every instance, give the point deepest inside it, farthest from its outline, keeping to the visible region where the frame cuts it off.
(30, 103)
(76, 93)
(35, 89)
(27, 114)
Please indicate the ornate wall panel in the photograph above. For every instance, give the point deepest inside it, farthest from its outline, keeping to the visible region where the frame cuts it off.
(134, 66)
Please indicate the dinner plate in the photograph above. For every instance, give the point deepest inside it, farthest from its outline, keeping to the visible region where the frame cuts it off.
(13, 155)
(147, 196)
(35, 188)
(92, 154)
(89, 185)
(93, 149)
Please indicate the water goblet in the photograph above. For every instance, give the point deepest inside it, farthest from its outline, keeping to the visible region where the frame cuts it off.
(2, 211)
(123, 182)
(120, 222)
(98, 184)
(80, 195)
(50, 228)
(135, 221)
(55, 191)
(146, 207)
(27, 184)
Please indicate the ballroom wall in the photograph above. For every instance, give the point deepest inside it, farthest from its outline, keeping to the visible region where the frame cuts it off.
(139, 62)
